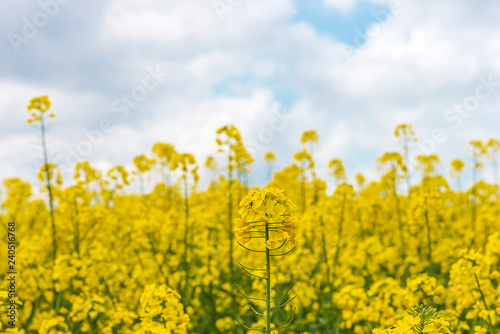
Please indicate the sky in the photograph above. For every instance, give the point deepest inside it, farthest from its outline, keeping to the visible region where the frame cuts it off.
(123, 75)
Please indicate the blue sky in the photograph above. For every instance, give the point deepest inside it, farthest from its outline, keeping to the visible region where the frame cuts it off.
(175, 71)
(342, 25)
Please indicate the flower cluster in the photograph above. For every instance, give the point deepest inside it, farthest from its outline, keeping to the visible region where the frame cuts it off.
(161, 312)
(41, 104)
(418, 321)
(268, 206)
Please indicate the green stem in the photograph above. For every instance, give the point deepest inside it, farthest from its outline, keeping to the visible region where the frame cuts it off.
(490, 324)
(49, 189)
(230, 223)
(428, 225)
(473, 200)
(325, 255)
(186, 243)
(407, 163)
(400, 219)
(268, 285)
(339, 236)
(303, 187)
(76, 228)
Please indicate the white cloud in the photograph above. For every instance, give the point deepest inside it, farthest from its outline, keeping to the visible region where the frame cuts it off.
(145, 26)
(342, 5)
(424, 59)
(218, 66)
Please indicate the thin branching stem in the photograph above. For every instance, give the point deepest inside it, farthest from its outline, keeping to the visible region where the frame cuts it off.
(268, 285)
(283, 295)
(261, 269)
(251, 298)
(253, 275)
(251, 250)
(283, 253)
(490, 323)
(284, 304)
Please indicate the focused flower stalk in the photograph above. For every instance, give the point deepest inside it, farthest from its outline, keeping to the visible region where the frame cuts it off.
(267, 216)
